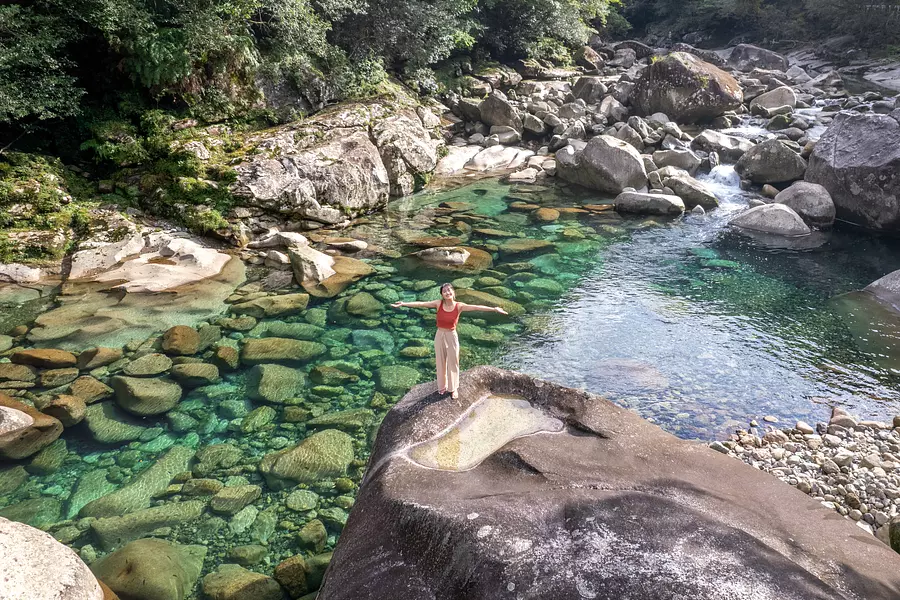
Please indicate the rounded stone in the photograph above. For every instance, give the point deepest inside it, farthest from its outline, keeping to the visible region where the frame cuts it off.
(34, 566)
(148, 365)
(151, 569)
(145, 397)
(181, 340)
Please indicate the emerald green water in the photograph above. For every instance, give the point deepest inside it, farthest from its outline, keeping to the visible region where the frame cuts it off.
(693, 326)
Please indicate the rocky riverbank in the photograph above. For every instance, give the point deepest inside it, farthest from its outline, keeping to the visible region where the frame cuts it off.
(848, 465)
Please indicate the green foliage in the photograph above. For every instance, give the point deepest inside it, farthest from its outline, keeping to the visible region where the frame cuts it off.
(35, 82)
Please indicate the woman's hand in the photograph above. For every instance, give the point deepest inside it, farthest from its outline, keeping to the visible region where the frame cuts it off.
(500, 310)
(397, 305)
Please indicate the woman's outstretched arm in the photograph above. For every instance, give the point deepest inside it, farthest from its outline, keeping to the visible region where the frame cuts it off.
(431, 304)
(480, 308)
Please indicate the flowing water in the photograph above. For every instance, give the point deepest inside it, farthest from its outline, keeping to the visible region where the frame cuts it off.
(692, 325)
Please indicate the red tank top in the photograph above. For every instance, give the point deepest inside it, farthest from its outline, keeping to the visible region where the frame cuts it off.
(447, 319)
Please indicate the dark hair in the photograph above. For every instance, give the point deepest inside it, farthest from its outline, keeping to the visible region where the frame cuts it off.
(449, 285)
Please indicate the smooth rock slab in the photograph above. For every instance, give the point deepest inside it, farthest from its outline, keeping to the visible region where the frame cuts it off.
(233, 582)
(34, 566)
(611, 508)
(649, 204)
(139, 491)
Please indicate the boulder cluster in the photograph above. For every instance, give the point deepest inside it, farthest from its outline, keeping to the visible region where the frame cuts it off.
(619, 125)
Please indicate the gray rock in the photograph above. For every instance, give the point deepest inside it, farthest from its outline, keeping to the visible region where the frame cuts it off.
(37, 567)
(649, 204)
(771, 162)
(746, 57)
(781, 96)
(148, 365)
(571, 539)
(604, 163)
(776, 219)
(811, 201)
(858, 161)
(407, 150)
(139, 491)
(233, 582)
(727, 146)
(694, 193)
(340, 177)
(687, 89)
(683, 159)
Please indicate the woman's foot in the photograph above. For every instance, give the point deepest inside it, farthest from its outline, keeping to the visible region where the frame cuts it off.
(442, 392)
(454, 395)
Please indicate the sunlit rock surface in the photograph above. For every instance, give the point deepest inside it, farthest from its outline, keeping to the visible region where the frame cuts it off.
(460, 502)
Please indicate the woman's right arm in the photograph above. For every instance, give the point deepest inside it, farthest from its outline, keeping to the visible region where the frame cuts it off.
(432, 304)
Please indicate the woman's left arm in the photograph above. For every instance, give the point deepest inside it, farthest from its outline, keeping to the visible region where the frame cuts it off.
(478, 308)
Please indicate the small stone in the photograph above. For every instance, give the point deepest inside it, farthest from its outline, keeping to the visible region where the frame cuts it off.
(202, 487)
(248, 555)
(226, 358)
(45, 358)
(313, 536)
(181, 340)
(302, 500)
(148, 365)
(804, 428)
(94, 358)
(90, 389)
(291, 574)
(53, 378)
(69, 410)
(230, 500)
(233, 582)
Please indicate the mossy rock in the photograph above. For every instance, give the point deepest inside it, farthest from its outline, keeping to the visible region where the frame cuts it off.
(279, 350)
(274, 383)
(396, 379)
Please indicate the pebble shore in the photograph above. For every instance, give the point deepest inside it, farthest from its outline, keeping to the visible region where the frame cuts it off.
(850, 466)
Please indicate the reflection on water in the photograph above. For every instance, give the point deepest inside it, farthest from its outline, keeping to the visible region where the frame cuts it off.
(487, 426)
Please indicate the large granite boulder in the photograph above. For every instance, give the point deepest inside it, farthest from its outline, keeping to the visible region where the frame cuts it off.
(24, 431)
(686, 89)
(771, 162)
(340, 177)
(776, 219)
(780, 96)
(604, 163)
(523, 488)
(151, 569)
(858, 161)
(728, 147)
(34, 566)
(497, 111)
(407, 150)
(746, 57)
(811, 201)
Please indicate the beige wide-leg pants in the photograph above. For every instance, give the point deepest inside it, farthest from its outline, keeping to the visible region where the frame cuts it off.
(446, 350)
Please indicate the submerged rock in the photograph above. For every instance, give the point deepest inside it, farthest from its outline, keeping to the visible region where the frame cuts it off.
(139, 491)
(322, 455)
(606, 516)
(274, 383)
(34, 566)
(146, 397)
(152, 569)
(233, 582)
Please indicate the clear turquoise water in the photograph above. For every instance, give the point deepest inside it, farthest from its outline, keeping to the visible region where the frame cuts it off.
(693, 326)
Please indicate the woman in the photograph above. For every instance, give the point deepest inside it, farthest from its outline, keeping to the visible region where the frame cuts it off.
(446, 343)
